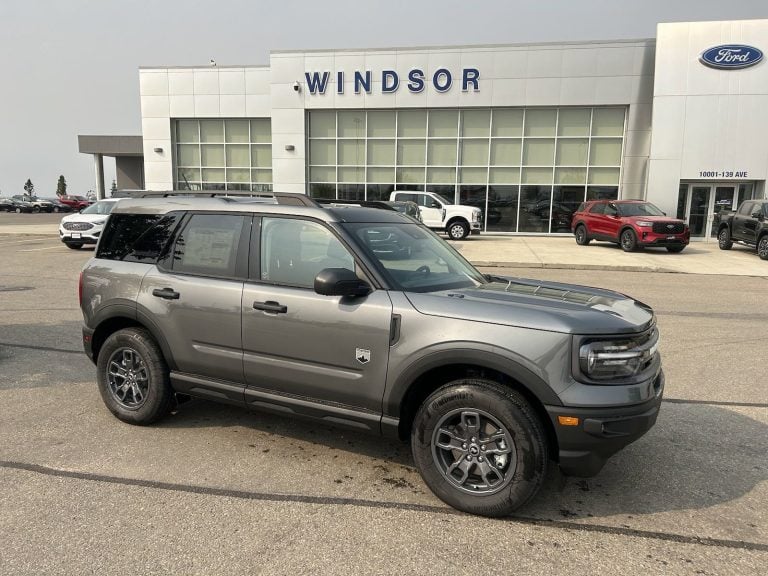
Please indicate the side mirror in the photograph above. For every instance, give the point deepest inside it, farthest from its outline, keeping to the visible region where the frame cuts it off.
(340, 282)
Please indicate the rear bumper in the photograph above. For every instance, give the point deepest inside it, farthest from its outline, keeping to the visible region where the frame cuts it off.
(601, 432)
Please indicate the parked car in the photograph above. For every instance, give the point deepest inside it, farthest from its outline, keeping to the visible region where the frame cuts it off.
(631, 224)
(58, 205)
(285, 305)
(85, 227)
(748, 225)
(6, 205)
(20, 206)
(75, 202)
(38, 204)
(442, 215)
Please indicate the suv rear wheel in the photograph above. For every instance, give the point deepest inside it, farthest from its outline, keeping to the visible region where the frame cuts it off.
(479, 447)
(133, 377)
(762, 247)
(458, 230)
(582, 238)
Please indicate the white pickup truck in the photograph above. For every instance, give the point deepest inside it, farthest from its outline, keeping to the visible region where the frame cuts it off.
(441, 215)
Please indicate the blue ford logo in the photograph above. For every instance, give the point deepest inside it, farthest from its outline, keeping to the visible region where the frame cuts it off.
(731, 56)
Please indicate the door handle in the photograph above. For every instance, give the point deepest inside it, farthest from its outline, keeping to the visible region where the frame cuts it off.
(167, 293)
(270, 306)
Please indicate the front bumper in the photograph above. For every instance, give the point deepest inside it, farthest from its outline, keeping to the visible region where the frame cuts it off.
(651, 239)
(584, 449)
(70, 237)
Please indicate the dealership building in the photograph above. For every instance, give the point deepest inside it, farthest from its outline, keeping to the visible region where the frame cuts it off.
(526, 132)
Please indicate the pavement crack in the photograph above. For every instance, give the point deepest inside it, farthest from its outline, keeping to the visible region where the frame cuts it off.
(43, 348)
(359, 502)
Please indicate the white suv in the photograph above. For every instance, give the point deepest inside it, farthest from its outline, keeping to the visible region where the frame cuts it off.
(85, 226)
(442, 215)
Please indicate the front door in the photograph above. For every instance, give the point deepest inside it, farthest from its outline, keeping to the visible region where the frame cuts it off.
(724, 198)
(705, 201)
(300, 346)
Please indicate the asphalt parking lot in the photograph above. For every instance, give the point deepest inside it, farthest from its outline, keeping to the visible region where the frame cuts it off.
(219, 490)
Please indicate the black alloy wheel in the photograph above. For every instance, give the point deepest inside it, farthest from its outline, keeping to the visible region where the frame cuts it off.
(480, 447)
(582, 239)
(628, 240)
(724, 239)
(762, 247)
(128, 378)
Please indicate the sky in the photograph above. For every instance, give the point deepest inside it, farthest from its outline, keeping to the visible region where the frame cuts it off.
(71, 66)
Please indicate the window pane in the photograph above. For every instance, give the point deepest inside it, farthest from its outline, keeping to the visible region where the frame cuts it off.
(502, 208)
(539, 153)
(236, 130)
(351, 152)
(261, 155)
(322, 173)
(602, 192)
(507, 123)
(534, 208)
(605, 152)
(322, 191)
(473, 175)
(381, 152)
(381, 174)
(411, 152)
(238, 175)
(322, 124)
(208, 245)
(608, 122)
(504, 176)
(213, 174)
(505, 152)
(238, 155)
(571, 176)
(572, 152)
(537, 175)
(379, 191)
(603, 176)
(211, 131)
(574, 122)
(381, 124)
(412, 123)
(261, 130)
(352, 124)
(322, 152)
(565, 201)
(441, 175)
(352, 174)
(411, 175)
(476, 123)
(186, 131)
(443, 123)
(213, 154)
(351, 192)
(188, 155)
(474, 152)
(540, 122)
(187, 175)
(441, 152)
(261, 176)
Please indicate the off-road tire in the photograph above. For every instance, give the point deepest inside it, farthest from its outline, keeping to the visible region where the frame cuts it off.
(724, 239)
(762, 247)
(495, 406)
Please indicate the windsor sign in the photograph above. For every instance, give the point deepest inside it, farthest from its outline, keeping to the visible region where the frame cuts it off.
(390, 80)
(731, 56)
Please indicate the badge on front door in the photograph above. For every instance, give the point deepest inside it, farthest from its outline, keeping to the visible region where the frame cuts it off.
(363, 356)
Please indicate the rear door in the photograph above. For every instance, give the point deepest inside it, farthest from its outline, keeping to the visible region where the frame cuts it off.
(194, 297)
(301, 347)
(744, 226)
(594, 219)
(611, 221)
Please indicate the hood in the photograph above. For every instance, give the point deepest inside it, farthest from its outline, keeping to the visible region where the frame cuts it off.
(655, 218)
(550, 306)
(91, 218)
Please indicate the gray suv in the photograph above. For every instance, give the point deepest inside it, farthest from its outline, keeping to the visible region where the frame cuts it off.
(363, 318)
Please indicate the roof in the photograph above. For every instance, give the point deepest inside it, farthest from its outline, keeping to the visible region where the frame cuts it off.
(111, 145)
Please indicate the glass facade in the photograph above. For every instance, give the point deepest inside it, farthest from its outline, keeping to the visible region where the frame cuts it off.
(526, 169)
(223, 154)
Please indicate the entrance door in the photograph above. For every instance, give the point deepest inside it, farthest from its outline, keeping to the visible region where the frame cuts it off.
(704, 202)
(698, 213)
(725, 199)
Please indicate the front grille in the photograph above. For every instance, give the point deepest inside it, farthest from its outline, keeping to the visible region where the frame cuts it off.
(77, 226)
(668, 227)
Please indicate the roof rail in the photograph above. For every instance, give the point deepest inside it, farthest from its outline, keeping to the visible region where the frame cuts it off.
(363, 203)
(284, 198)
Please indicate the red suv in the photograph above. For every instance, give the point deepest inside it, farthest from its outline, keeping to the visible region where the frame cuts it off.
(75, 202)
(632, 224)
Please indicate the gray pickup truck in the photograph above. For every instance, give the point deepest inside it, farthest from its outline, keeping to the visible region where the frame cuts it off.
(748, 225)
(363, 318)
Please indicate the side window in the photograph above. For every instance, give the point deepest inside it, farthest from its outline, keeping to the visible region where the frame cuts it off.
(121, 232)
(208, 245)
(410, 197)
(598, 208)
(294, 251)
(611, 210)
(152, 244)
(747, 208)
(428, 201)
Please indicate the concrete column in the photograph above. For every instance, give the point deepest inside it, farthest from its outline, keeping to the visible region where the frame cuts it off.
(98, 160)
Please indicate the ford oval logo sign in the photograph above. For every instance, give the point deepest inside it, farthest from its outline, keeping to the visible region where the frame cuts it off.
(731, 56)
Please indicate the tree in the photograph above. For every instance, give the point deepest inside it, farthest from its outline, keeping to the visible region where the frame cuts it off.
(113, 190)
(29, 188)
(61, 186)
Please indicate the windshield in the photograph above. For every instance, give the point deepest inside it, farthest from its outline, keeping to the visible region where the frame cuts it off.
(639, 209)
(99, 208)
(414, 258)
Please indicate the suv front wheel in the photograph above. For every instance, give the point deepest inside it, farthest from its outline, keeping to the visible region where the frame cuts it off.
(133, 377)
(479, 447)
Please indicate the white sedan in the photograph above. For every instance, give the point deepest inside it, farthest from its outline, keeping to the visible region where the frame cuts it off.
(85, 227)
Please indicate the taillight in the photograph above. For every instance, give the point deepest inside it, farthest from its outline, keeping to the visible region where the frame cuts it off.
(80, 289)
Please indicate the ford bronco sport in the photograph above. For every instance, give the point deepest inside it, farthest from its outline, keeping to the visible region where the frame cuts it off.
(363, 318)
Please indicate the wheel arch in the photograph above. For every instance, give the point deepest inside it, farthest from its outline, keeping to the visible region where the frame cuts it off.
(119, 320)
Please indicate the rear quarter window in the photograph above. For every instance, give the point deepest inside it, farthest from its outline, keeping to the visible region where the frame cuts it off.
(137, 237)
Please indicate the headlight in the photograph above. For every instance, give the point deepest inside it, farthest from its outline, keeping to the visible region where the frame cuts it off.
(618, 358)
(644, 224)
(476, 215)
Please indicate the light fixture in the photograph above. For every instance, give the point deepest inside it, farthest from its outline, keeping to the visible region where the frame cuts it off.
(290, 147)
(158, 149)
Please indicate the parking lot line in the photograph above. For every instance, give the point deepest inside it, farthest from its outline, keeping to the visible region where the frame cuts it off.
(39, 249)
